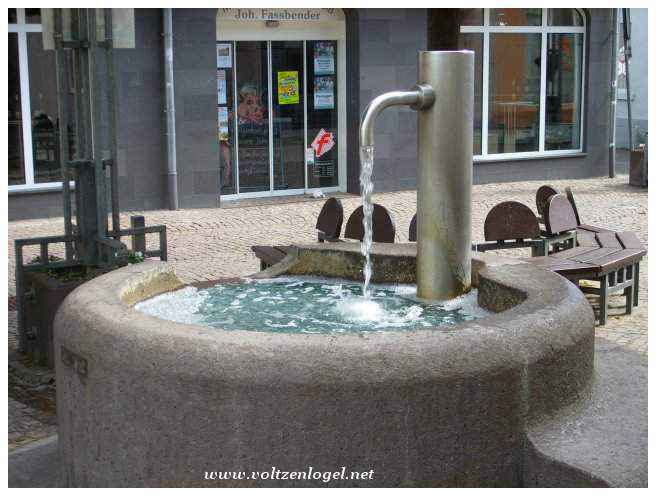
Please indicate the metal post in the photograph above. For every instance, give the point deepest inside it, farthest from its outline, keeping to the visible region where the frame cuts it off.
(111, 118)
(96, 123)
(171, 154)
(613, 99)
(138, 240)
(62, 117)
(444, 176)
(627, 61)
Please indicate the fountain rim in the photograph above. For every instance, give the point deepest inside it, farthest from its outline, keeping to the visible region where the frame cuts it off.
(510, 338)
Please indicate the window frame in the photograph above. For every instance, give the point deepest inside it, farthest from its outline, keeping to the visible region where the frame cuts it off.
(544, 30)
(21, 28)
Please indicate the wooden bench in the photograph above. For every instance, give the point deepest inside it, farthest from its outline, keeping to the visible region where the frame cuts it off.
(577, 252)
(612, 259)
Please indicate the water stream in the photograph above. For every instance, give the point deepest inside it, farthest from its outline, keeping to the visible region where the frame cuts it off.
(366, 187)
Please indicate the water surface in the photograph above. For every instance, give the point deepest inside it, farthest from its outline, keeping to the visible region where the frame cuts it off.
(308, 305)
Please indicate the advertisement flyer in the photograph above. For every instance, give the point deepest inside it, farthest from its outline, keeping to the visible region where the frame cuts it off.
(324, 58)
(222, 88)
(224, 133)
(324, 93)
(288, 91)
(223, 55)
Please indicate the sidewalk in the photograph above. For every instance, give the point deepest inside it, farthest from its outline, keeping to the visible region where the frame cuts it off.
(206, 244)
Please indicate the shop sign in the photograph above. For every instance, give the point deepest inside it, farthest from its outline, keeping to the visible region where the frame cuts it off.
(293, 15)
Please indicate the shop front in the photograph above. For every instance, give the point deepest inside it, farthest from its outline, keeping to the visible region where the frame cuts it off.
(267, 102)
(280, 101)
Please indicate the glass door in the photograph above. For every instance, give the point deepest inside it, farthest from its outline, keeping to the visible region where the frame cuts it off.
(277, 116)
(252, 116)
(288, 115)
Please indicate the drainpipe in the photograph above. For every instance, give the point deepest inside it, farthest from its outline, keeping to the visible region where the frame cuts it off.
(171, 155)
(626, 35)
(613, 98)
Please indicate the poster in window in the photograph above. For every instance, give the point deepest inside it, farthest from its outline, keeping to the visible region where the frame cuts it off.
(323, 146)
(324, 93)
(222, 87)
(288, 92)
(324, 58)
(223, 55)
(224, 133)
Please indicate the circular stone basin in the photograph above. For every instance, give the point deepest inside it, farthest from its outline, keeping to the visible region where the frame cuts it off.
(308, 305)
(143, 401)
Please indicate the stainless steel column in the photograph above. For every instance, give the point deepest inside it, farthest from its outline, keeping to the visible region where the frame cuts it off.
(444, 176)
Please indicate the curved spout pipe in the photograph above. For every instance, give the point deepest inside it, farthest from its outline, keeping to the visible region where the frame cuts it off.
(419, 98)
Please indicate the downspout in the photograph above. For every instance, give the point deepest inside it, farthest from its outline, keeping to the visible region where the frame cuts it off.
(171, 155)
(626, 34)
(613, 98)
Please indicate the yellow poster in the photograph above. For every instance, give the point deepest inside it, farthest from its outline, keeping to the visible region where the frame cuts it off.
(287, 87)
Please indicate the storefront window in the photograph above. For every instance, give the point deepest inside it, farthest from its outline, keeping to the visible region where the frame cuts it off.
(564, 70)
(322, 113)
(564, 17)
(225, 63)
(282, 130)
(515, 17)
(471, 17)
(474, 42)
(514, 93)
(288, 115)
(34, 155)
(531, 80)
(277, 106)
(16, 157)
(43, 107)
(253, 115)
(33, 16)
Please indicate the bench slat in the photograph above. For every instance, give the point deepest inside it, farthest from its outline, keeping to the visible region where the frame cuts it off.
(594, 255)
(629, 240)
(619, 259)
(586, 238)
(608, 240)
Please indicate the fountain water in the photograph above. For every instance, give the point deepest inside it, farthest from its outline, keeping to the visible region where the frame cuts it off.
(366, 187)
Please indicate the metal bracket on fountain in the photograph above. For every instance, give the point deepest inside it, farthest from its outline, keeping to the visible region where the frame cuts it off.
(444, 99)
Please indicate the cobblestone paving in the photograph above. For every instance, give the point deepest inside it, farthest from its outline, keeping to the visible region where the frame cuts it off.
(205, 244)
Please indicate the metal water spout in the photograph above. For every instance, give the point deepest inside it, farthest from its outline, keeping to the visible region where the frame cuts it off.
(444, 99)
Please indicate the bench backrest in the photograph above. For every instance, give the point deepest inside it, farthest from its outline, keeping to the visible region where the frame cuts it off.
(570, 197)
(331, 217)
(381, 222)
(559, 215)
(510, 220)
(542, 197)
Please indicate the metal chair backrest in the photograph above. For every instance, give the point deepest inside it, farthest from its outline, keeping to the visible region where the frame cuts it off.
(330, 219)
(381, 223)
(510, 220)
(559, 215)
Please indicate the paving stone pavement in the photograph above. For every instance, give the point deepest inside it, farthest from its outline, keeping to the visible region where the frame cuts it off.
(206, 244)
